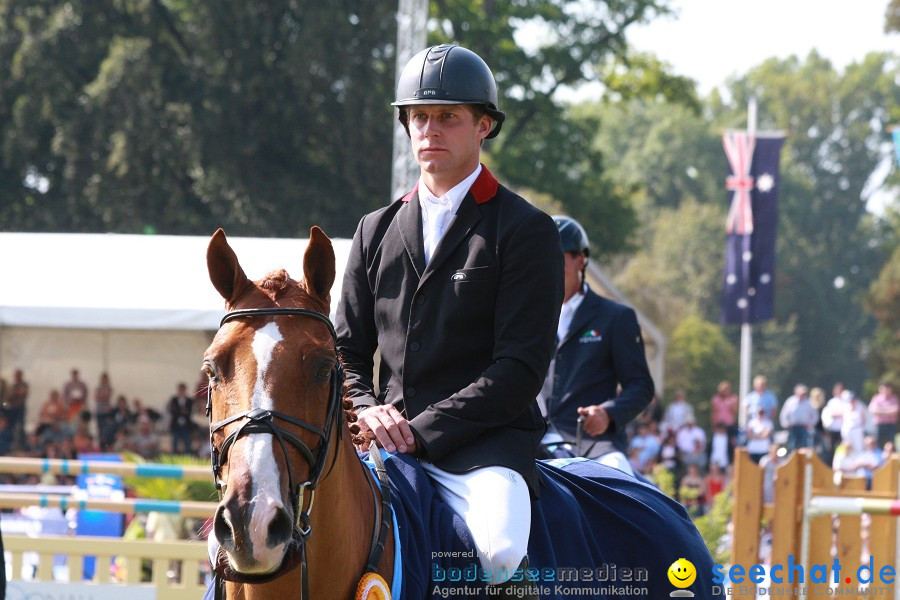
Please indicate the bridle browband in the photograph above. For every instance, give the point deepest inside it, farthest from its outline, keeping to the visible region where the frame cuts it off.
(264, 421)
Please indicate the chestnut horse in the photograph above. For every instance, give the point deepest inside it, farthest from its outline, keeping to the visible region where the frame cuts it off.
(299, 515)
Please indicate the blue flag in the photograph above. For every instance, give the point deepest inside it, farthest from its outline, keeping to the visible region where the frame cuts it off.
(749, 287)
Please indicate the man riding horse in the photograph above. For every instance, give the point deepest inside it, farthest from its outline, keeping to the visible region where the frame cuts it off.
(459, 284)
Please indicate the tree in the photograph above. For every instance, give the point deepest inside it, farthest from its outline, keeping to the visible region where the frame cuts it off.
(881, 301)
(175, 116)
(537, 49)
(699, 357)
(827, 249)
(267, 117)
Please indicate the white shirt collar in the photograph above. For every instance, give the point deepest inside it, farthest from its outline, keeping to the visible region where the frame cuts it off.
(450, 201)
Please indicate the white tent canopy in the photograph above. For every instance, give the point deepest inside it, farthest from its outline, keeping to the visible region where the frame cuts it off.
(111, 281)
(141, 308)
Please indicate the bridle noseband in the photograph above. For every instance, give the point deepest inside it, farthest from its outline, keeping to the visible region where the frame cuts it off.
(264, 421)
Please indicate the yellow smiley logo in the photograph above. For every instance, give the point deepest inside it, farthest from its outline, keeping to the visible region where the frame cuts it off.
(682, 573)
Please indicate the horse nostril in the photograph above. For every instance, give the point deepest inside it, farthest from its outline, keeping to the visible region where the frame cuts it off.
(280, 529)
(223, 529)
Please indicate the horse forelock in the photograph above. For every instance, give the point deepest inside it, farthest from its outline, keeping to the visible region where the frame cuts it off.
(277, 283)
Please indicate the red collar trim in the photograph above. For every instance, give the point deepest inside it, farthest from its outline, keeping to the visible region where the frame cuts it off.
(483, 189)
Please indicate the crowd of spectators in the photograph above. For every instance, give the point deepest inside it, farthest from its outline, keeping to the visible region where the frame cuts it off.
(850, 435)
(75, 420)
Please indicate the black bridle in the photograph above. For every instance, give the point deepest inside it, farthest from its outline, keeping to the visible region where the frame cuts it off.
(264, 421)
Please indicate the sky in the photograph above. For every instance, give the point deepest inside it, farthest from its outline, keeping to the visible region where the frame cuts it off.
(711, 40)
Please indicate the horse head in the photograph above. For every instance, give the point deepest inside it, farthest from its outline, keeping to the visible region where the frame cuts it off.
(274, 403)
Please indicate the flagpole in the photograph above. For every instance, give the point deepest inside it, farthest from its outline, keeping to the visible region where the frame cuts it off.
(746, 328)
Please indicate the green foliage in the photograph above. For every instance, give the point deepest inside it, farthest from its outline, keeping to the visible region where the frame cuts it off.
(713, 526)
(267, 117)
(882, 302)
(684, 256)
(639, 76)
(827, 252)
(663, 479)
(829, 249)
(536, 50)
(178, 117)
(699, 357)
(664, 151)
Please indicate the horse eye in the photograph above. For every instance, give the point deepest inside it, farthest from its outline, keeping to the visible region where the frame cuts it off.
(323, 372)
(209, 370)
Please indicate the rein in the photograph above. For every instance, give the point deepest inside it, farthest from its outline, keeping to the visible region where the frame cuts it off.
(264, 421)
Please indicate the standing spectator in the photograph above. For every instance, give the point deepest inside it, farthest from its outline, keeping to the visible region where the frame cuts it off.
(15, 405)
(854, 423)
(817, 400)
(599, 369)
(180, 424)
(769, 462)
(103, 394)
(691, 441)
(678, 413)
(121, 417)
(885, 408)
(759, 434)
(799, 418)
(760, 397)
(75, 393)
(721, 446)
(832, 420)
(668, 454)
(725, 407)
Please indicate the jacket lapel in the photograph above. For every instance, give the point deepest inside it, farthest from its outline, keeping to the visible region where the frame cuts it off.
(582, 317)
(483, 189)
(410, 225)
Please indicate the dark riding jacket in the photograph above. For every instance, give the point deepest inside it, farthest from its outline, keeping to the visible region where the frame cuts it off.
(465, 342)
(602, 350)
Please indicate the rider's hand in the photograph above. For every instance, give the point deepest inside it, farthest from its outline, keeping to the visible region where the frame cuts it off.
(596, 419)
(388, 428)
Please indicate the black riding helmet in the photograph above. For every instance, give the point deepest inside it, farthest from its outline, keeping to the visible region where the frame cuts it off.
(572, 234)
(448, 74)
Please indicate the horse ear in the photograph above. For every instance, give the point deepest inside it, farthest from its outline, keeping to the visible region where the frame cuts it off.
(225, 272)
(318, 264)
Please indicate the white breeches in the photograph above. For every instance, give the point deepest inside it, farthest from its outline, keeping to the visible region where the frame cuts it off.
(495, 503)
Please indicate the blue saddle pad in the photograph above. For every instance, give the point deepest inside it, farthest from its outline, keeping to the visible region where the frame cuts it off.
(596, 533)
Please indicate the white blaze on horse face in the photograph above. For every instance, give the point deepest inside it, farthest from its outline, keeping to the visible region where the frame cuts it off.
(260, 452)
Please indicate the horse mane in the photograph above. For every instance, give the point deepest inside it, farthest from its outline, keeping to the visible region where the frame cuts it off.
(350, 416)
